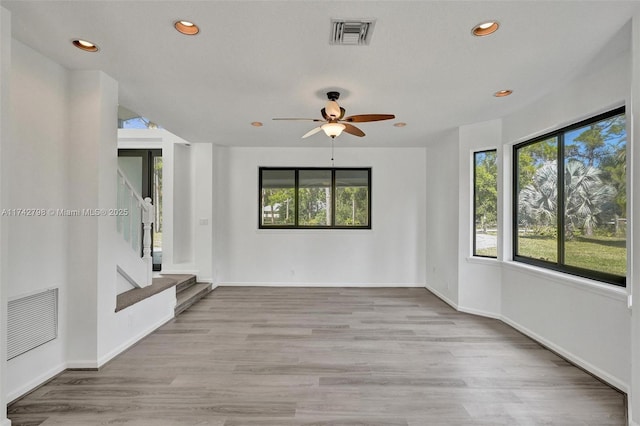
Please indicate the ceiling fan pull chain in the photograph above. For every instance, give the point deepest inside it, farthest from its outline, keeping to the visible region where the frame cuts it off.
(332, 143)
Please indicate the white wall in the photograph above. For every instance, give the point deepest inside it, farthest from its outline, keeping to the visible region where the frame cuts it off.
(391, 253)
(35, 158)
(479, 279)
(202, 222)
(86, 167)
(442, 217)
(122, 329)
(5, 120)
(588, 322)
(182, 205)
(220, 214)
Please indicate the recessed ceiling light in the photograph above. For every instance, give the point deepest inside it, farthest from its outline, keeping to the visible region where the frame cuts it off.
(85, 45)
(485, 28)
(256, 124)
(399, 124)
(503, 93)
(186, 27)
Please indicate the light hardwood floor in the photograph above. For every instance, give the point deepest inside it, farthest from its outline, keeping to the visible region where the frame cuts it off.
(326, 356)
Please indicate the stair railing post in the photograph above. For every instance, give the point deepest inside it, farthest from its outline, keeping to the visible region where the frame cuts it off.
(148, 213)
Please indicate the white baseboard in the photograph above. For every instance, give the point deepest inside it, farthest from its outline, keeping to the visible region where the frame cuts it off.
(5, 422)
(443, 298)
(33, 384)
(480, 312)
(135, 339)
(613, 381)
(307, 284)
(82, 365)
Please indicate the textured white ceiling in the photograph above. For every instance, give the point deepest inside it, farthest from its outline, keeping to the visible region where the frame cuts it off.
(253, 61)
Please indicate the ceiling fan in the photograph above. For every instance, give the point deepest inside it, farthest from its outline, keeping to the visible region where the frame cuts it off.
(336, 122)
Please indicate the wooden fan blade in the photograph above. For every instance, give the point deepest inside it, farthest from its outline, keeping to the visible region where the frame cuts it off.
(362, 118)
(298, 119)
(353, 130)
(312, 132)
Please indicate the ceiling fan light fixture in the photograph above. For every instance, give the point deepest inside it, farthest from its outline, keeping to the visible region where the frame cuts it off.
(485, 28)
(186, 27)
(333, 129)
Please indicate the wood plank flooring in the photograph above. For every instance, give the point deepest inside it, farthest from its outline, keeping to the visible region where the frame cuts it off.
(326, 356)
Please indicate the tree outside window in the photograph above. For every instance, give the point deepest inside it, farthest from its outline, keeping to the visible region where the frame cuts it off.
(485, 203)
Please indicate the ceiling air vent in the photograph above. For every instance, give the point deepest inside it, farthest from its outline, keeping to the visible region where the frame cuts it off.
(351, 32)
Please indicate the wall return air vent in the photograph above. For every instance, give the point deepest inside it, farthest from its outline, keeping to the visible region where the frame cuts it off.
(32, 321)
(351, 32)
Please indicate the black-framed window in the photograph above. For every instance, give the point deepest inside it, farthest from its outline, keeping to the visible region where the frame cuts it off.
(570, 199)
(316, 198)
(485, 203)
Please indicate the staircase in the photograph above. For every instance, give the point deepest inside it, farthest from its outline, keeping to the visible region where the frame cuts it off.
(134, 263)
(188, 291)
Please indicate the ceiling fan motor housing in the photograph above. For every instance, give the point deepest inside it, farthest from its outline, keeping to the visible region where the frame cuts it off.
(333, 96)
(332, 111)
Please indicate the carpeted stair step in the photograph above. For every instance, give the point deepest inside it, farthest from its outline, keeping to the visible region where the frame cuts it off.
(191, 295)
(133, 296)
(184, 281)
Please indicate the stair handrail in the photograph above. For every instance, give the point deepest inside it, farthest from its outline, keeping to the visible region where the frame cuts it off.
(135, 205)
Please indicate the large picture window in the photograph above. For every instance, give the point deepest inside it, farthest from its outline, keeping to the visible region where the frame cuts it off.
(570, 199)
(315, 198)
(485, 203)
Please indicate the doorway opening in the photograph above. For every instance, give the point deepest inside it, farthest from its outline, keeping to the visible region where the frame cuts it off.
(143, 168)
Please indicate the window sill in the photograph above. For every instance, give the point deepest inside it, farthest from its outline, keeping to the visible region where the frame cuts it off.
(585, 284)
(489, 261)
(290, 231)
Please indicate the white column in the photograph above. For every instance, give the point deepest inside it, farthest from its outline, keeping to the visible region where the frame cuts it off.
(92, 185)
(202, 163)
(633, 232)
(5, 63)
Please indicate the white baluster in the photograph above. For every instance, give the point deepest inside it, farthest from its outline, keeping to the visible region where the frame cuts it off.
(148, 213)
